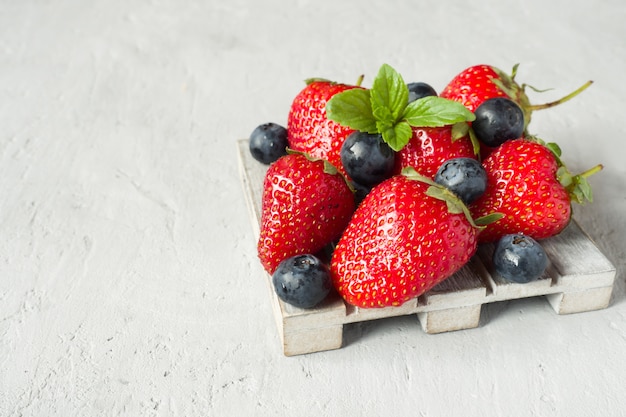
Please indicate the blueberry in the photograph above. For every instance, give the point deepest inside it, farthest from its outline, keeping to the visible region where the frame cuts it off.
(419, 90)
(366, 158)
(498, 120)
(360, 192)
(302, 281)
(519, 258)
(465, 177)
(268, 142)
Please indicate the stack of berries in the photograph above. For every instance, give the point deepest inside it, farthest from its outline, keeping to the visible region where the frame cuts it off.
(381, 193)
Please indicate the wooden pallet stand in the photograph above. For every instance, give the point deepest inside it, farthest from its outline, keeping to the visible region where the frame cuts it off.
(579, 278)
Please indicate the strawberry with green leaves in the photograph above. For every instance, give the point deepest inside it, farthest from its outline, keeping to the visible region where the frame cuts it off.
(408, 235)
(475, 84)
(530, 186)
(424, 126)
(309, 130)
(306, 204)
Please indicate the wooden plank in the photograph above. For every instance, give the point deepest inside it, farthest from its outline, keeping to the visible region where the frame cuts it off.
(581, 301)
(356, 314)
(312, 340)
(576, 261)
(450, 319)
(579, 278)
(465, 287)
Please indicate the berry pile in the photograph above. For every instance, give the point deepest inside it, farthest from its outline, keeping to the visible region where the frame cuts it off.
(382, 193)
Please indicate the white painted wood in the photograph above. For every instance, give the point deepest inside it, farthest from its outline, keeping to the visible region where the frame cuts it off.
(577, 302)
(466, 287)
(304, 341)
(580, 278)
(450, 319)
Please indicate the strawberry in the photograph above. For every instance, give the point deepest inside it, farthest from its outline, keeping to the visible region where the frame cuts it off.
(478, 83)
(407, 235)
(429, 147)
(308, 128)
(306, 204)
(529, 185)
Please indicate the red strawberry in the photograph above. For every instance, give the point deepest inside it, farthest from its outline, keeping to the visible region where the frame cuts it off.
(308, 128)
(528, 184)
(402, 240)
(429, 147)
(306, 205)
(477, 83)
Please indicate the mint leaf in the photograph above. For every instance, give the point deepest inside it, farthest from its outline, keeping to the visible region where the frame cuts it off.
(389, 95)
(396, 136)
(436, 111)
(382, 114)
(352, 108)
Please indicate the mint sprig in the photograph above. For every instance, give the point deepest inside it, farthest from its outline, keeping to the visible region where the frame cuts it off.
(385, 109)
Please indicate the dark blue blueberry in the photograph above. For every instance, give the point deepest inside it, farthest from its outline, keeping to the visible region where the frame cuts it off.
(498, 120)
(419, 90)
(465, 177)
(360, 192)
(366, 158)
(519, 258)
(268, 142)
(302, 281)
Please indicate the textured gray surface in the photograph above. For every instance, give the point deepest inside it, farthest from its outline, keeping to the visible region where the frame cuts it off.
(129, 283)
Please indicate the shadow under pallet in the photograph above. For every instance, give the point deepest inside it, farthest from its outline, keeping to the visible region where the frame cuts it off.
(580, 278)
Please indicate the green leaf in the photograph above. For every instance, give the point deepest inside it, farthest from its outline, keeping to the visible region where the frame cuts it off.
(330, 168)
(383, 114)
(488, 219)
(389, 95)
(459, 130)
(352, 108)
(475, 142)
(453, 203)
(564, 177)
(585, 190)
(316, 79)
(396, 136)
(580, 190)
(412, 174)
(554, 148)
(436, 111)
(440, 193)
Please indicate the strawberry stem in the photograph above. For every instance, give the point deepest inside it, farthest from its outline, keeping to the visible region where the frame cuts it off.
(571, 95)
(591, 171)
(359, 80)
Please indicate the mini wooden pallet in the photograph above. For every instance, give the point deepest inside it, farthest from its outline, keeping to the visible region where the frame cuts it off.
(580, 278)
